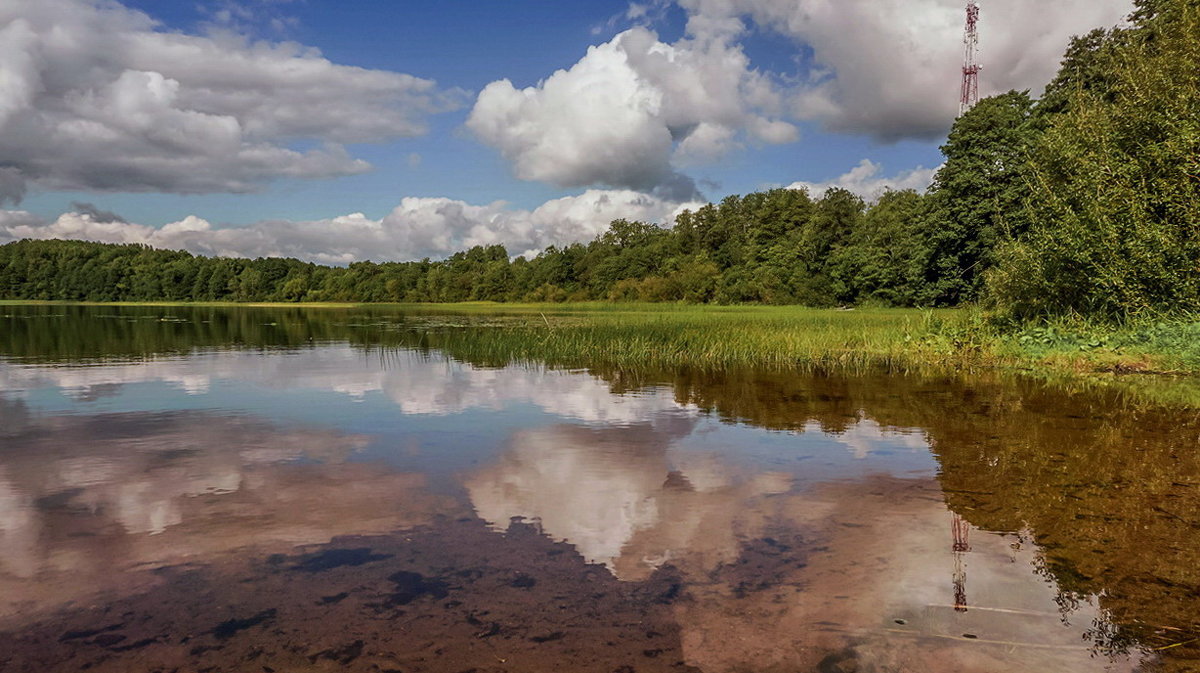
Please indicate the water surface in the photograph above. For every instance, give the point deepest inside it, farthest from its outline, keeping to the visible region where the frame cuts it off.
(307, 490)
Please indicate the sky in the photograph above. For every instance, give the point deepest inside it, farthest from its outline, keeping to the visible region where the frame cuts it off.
(337, 130)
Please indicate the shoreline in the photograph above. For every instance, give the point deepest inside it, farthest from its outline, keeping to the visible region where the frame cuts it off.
(1160, 357)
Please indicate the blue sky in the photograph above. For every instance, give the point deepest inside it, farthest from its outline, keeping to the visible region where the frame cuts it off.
(676, 103)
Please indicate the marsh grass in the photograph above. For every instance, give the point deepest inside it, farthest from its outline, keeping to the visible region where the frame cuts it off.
(791, 336)
(630, 335)
(1147, 363)
(708, 338)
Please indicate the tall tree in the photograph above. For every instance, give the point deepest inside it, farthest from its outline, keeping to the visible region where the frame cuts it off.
(976, 195)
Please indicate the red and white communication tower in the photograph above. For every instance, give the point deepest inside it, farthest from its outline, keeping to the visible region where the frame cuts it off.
(971, 67)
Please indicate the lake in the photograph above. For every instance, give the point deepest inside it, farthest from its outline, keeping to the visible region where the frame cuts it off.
(264, 489)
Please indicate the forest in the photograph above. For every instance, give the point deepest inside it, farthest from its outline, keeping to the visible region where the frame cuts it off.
(1084, 201)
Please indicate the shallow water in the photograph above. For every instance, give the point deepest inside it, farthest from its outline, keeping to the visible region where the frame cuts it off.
(295, 490)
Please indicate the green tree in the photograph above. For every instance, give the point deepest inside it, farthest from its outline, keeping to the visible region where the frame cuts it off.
(883, 260)
(836, 215)
(1085, 67)
(976, 195)
(1115, 192)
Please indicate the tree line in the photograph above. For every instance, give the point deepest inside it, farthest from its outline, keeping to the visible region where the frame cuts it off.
(780, 246)
(1083, 201)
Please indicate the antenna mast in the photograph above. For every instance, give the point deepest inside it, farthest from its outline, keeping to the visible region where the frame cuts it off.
(971, 67)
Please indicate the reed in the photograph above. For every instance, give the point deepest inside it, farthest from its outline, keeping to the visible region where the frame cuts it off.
(715, 338)
(645, 341)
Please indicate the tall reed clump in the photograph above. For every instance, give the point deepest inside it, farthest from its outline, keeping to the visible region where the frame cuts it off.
(878, 339)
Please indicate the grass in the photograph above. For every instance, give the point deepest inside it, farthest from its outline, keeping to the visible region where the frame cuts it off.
(713, 337)
(721, 336)
(1155, 364)
(705, 337)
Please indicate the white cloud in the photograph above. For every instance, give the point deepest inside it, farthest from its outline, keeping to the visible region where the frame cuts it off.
(865, 180)
(891, 68)
(417, 228)
(95, 96)
(626, 110)
(635, 111)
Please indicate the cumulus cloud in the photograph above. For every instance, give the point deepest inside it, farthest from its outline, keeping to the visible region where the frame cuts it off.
(95, 96)
(866, 181)
(624, 113)
(416, 228)
(635, 112)
(890, 68)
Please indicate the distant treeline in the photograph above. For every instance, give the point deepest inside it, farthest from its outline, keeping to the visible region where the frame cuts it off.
(779, 246)
(1085, 201)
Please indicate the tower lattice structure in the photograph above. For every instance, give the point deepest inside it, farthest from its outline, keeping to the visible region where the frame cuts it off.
(971, 67)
